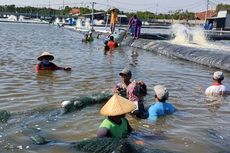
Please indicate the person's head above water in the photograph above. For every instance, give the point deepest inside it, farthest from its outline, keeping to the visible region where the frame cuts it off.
(125, 71)
(45, 56)
(126, 74)
(161, 93)
(218, 76)
(111, 38)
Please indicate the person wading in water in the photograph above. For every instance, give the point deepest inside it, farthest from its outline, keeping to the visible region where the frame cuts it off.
(45, 63)
(116, 125)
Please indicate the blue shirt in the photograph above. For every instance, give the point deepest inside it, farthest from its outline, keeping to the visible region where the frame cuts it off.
(160, 109)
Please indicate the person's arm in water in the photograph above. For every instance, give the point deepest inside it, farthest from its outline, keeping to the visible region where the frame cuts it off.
(55, 67)
(103, 132)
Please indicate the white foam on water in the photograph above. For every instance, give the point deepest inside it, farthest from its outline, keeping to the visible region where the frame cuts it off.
(181, 33)
(198, 36)
(185, 35)
(194, 37)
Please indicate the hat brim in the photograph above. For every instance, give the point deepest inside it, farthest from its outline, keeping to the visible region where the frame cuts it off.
(49, 57)
(116, 106)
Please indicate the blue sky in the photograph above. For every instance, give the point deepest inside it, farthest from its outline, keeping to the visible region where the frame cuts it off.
(156, 6)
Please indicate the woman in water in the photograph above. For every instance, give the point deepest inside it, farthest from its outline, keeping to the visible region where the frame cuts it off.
(45, 63)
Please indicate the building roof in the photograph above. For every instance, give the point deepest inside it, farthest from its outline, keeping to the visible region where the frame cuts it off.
(223, 13)
(75, 11)
(95, 13)
(201, 15)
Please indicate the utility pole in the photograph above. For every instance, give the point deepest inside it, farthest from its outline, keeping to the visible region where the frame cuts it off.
(156, 7)
(92, 13)
(63, 7)
(206, 14)
(107, 15)
(49, 8)
(37, 11)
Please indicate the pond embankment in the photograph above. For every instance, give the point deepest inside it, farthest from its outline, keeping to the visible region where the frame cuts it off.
(216, 59)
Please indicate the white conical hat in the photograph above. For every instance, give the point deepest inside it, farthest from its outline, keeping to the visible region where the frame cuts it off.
(117, 105)
(46, 55)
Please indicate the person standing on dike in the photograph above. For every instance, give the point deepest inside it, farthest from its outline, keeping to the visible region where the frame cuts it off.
(113, 19)
(135, 26)
(45, 63)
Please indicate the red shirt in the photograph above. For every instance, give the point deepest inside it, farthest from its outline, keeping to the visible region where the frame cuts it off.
(111, 44)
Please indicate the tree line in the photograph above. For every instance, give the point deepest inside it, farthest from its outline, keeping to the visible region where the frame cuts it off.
(144, 15)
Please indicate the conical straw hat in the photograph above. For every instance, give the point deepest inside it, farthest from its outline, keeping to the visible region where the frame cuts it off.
(117, 105)
(46, 55)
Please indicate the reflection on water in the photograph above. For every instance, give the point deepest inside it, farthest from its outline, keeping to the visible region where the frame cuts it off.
(34, 99)
(134, 57)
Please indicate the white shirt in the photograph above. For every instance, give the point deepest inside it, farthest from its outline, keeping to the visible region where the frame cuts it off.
(216, 89)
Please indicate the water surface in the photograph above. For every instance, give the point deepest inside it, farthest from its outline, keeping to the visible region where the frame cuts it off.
(198, 126)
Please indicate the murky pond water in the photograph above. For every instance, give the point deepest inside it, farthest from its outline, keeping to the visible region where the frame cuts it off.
(198, 126)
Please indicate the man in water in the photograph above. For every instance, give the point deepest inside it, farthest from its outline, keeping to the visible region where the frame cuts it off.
(88, 37)
(217, 89)
(121, 87)
(116, 125)
(111, 43)
(45, 63)
(161, 107)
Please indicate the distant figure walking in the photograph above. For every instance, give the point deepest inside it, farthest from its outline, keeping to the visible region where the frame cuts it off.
(135, 26)
(217, 89)
(113, 19)
(45, 63)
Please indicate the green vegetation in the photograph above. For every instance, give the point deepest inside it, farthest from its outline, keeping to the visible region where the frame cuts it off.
(178, 15)
(222, 7)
